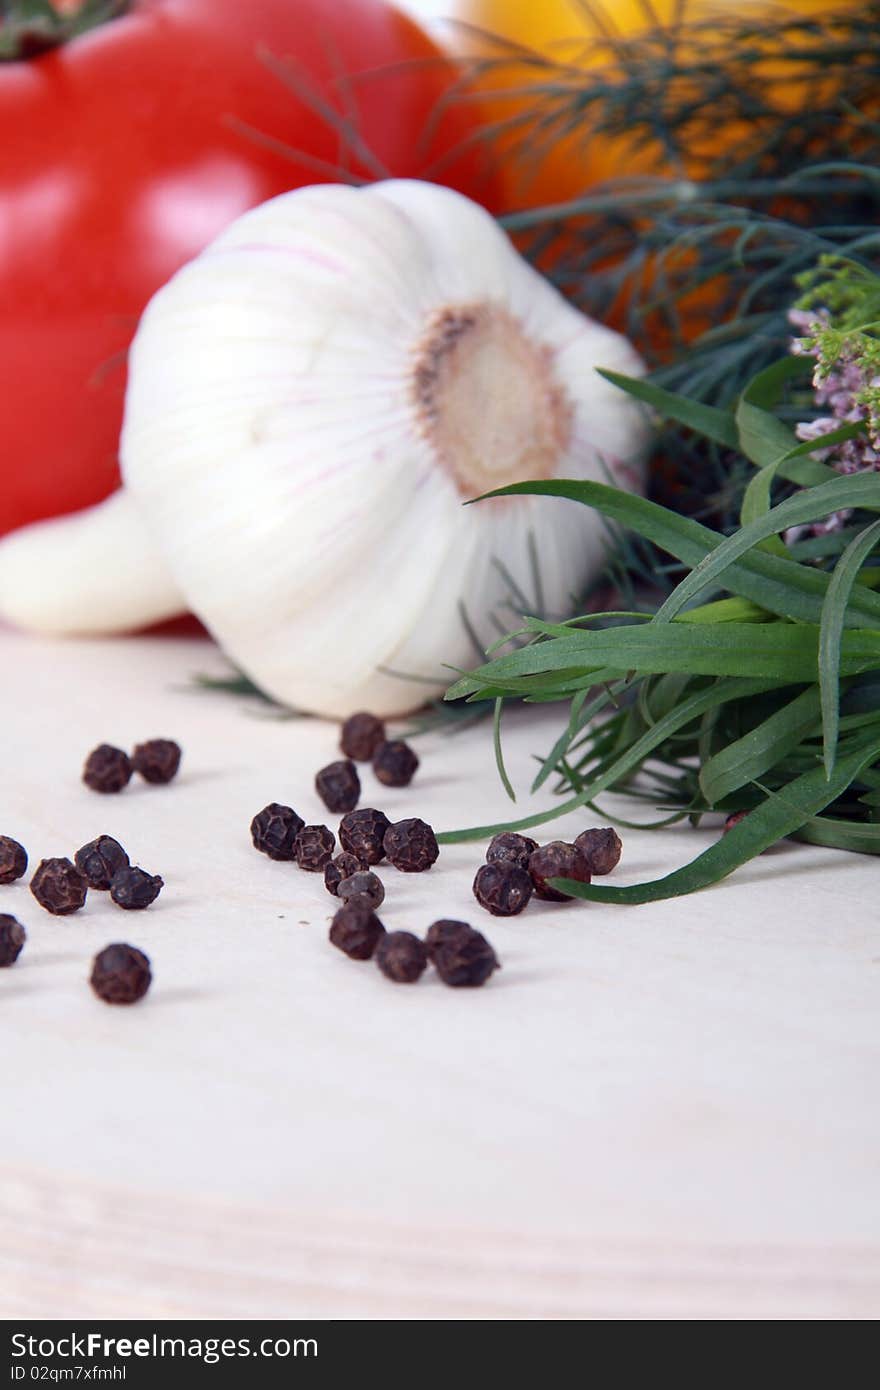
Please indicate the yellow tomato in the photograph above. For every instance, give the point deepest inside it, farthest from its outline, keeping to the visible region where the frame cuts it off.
(548, 160)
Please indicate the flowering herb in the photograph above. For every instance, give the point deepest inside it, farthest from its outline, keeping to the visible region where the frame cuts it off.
(755, 686)
(839, 316)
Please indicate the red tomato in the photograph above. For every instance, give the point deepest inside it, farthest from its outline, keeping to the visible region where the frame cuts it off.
(123, 153)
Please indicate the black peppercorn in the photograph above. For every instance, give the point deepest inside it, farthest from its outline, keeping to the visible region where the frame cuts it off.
(12, 939)
(461, 956)
(107, 769)
(557, 860)
(601, 849)
(59, 887)
(502, 888)
(442, 931)
(411, 845)
(134, 888)
(362, 833)
(339, 786)
(395, 763)
(361, 735)
(362, 883)
(343, 866)
(120, 974)
(99, 860)
(13, 859)
(157, 760)
(314, 847)
(274, 831)
(401, 956)
(356, 929)
(511, 848)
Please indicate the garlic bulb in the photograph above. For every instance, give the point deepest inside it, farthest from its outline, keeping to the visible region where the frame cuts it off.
(310, 402)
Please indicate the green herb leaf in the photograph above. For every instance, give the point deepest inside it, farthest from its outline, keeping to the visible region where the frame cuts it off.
(784, 587)
(831, 634)
(684, 713)
(772, 820)
(748, 757)
(499, 755)
(840, 834)
(856, 490)
(772, 651)
(705, 419)
(756, 499)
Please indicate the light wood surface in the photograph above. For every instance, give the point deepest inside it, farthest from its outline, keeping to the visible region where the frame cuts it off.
(660, 1112)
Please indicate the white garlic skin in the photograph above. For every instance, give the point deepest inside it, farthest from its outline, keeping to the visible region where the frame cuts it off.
(276, 445)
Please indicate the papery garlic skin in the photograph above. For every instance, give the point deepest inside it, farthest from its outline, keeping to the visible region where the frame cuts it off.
(277, 443)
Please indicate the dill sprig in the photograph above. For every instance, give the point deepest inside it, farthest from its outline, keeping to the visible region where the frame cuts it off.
(762, 142)
(708, 97)
(656, 244)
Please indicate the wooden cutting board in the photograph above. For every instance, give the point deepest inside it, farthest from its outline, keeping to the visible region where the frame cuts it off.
(660, 1112)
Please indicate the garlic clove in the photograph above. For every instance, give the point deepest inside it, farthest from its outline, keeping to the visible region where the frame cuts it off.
(92, 573)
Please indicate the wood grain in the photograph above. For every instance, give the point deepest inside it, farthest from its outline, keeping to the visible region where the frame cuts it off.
(104, 1252)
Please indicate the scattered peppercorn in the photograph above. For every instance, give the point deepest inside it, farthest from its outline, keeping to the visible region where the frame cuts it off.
(734, 819)
(107, 769)
(59, 887)
(401, 956)
(362, 882)
(12, 939)
(343, 866)
(442, 931)
(601, 849)
(556, 860)
(274, 831)
(157, 760)
(339, 786)
(120, 974)
(502, 888)
(362, 834)
(314, 847)
(411, 845)
(99, 860)
(512, 848)
(356, 929)
(361, 735)
(461, 956)
(395, 763)
(13, 859)
(134, 888)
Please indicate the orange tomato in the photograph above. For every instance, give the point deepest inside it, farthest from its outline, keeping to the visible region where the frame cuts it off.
(551, 153)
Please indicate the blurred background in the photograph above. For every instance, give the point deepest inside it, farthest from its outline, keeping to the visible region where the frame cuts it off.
(672, 167)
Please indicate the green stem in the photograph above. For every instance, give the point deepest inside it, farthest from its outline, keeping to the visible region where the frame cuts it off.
(31, 27)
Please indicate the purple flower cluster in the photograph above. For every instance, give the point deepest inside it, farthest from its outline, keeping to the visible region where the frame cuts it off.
(840, 383)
